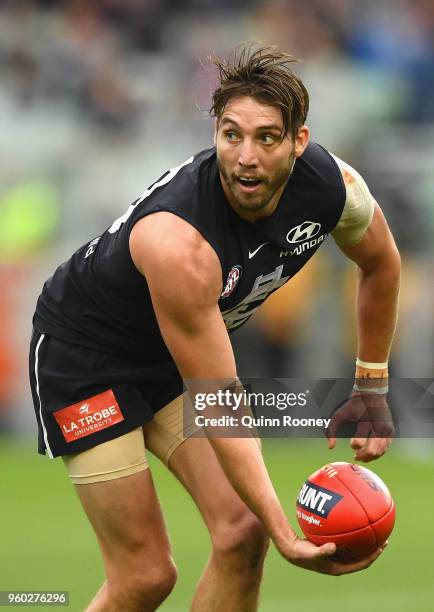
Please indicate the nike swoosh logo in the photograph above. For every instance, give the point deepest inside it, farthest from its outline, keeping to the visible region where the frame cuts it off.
(253, 253)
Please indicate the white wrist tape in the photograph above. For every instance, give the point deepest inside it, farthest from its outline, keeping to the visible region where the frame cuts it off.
(371, 377)
(371, 365)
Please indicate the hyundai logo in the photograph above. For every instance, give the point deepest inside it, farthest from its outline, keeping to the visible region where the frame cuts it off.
(304, 231)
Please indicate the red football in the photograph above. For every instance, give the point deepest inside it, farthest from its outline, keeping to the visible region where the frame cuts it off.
(346, 504)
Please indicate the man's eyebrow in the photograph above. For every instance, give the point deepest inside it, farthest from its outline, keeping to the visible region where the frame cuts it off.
(228, 120)
(270, 127)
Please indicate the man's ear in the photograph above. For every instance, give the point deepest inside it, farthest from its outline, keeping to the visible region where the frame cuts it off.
(301, 140)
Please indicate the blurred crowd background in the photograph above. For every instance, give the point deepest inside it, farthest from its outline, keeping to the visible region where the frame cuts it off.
(98, 98)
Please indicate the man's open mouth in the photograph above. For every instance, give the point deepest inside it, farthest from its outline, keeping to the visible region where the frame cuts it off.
(248, 184)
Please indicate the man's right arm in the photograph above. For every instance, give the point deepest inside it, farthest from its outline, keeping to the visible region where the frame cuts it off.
(184, 278)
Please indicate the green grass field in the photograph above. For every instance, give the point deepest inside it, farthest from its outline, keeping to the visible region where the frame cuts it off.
(47, 544)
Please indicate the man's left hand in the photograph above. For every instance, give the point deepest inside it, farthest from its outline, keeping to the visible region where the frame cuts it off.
(375, 429)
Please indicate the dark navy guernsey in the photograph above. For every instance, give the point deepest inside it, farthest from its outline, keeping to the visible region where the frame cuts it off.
(98, 299)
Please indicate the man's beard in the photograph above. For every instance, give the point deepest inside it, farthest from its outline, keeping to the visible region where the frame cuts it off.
(256, 202)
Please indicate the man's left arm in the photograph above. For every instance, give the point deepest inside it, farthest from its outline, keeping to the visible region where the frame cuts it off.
(364, 237)
(378, 260)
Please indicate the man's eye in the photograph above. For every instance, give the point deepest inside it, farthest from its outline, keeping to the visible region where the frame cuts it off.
(231, 136)
(267, 139)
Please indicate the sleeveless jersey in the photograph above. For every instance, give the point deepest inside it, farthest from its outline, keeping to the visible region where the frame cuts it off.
(100, 300)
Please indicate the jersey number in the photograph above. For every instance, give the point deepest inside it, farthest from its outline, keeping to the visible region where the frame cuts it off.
(166, 178)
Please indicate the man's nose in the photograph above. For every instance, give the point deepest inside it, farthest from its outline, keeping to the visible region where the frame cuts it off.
(247, 157)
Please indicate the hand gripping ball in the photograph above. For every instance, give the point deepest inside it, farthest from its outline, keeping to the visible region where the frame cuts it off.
(346, 504)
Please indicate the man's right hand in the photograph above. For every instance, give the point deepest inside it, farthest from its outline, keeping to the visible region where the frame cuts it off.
(307, 555)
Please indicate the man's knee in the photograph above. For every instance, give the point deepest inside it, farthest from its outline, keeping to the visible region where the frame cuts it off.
(161, 579)
(241, 543)
(148, 584)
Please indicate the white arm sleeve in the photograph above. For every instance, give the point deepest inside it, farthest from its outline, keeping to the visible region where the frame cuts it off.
(358, 210)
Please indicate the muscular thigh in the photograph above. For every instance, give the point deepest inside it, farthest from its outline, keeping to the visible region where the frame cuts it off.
(195, 464)
(116, 490)
(171, 437)
(127, 519)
